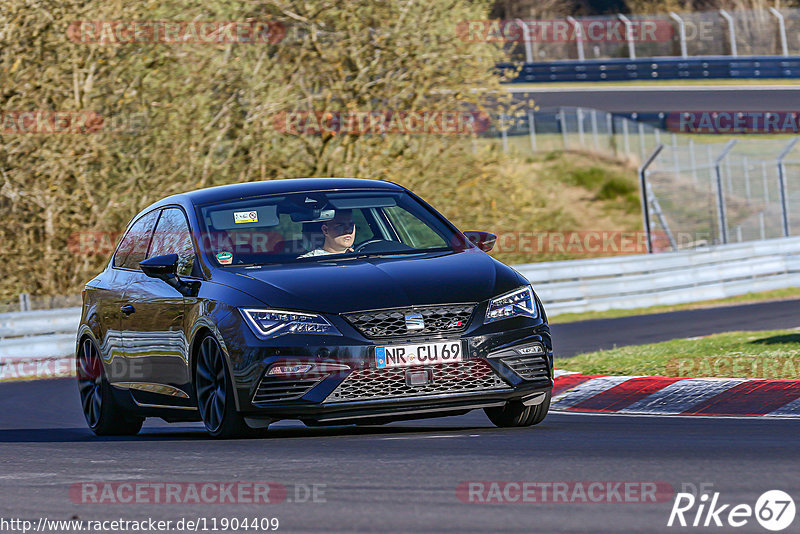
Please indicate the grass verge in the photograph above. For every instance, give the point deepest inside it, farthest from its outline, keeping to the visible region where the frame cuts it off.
(770, 354)
(748, 298)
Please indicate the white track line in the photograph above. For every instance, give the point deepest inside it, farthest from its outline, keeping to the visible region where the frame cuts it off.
(588, 389)
(680, 396)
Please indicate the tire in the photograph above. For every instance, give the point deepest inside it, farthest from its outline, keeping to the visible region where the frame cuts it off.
(215, 393)
(516, 414)
(100, 410)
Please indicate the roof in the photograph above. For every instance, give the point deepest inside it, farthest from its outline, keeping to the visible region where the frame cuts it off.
(273, 187)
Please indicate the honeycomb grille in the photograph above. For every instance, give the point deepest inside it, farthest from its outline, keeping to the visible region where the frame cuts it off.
(272, 389)
(391, 323)
(528, 367)
(448, 378)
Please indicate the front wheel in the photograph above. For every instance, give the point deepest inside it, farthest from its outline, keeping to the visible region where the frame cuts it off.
(102, 414)
(215, 393)
(515, 413)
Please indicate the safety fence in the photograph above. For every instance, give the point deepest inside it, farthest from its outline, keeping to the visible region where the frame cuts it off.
(698, 192)
(745, 32)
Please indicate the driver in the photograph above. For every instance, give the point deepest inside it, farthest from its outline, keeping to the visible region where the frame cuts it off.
(340, 234)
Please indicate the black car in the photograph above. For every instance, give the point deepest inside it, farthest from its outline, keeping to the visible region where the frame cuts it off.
(331, 301)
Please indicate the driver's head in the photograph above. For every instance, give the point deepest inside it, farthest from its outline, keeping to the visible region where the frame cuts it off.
(339, 232)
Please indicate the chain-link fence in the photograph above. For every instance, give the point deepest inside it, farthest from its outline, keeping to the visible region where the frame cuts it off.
(698, 193)
(701, 33)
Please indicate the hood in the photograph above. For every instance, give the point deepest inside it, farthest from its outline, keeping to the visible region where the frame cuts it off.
(373, 283)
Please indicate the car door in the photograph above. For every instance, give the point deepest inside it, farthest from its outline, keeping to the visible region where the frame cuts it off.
(154, 322)
(110, 297)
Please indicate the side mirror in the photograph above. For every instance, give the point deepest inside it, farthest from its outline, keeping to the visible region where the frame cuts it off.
(162, 267)
(483, 240)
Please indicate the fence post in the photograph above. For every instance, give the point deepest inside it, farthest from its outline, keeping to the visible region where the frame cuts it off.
(746, 178)
(626, 140)
(782, 185)
(526, 34)
(594, 129)
(693, 161)
(563, 120)
(532, 130)
(731, 31)
(579, 118)
(681, 32)
(641, 139)
(643, 191)
(578, 37)
(781, 29)
(628, 35)
(610, 129)
(721, 214)
(503, 132)
(24, 302)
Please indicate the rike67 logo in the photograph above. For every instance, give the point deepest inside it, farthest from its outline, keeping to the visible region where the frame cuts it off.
(774, 510)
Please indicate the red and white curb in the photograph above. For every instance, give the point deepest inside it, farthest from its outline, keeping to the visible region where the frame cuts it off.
(659, 395)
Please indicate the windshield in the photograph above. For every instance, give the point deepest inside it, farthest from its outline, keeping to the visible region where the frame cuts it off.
(318, 226)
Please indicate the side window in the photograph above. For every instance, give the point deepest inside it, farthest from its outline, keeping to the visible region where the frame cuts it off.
(413, 232)
(363, 231)
(133, 247)
(172, 236)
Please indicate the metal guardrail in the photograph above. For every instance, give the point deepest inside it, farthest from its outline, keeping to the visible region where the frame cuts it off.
(564, 286)
(658, 68)
(668, 278)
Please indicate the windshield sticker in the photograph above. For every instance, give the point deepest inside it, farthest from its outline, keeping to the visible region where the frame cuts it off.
(225, 258)
(240, 217)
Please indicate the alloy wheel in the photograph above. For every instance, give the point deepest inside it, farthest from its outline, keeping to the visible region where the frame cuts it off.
(211, 386)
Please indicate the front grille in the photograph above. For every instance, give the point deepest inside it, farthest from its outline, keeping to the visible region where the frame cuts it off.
(448, 378)
(391, 323)
(275, 389)
(528, 367)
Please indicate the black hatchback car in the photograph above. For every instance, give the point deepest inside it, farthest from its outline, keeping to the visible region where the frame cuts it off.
(331, 301)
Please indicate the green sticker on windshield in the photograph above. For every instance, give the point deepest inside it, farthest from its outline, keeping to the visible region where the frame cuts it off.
(225, 258)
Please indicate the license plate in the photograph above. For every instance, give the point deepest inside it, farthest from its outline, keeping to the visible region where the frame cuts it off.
(423, 354)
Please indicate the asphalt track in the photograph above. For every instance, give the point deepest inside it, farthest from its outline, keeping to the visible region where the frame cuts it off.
(621, 99)
(584, 336)
(403, 477)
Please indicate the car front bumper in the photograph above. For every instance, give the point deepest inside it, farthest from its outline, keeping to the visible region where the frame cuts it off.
(489, 376)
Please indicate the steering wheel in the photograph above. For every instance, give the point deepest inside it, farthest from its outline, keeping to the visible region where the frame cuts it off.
(361, 246)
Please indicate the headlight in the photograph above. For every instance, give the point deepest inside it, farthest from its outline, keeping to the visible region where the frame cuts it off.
(518, 303)
(274, 323)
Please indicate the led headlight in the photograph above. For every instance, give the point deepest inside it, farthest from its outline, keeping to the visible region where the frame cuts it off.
(518, 303)
(273, 323)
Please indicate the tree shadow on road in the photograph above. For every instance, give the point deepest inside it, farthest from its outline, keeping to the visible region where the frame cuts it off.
(776, 340)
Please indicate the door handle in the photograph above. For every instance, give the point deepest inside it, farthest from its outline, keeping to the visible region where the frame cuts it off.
(127, 309)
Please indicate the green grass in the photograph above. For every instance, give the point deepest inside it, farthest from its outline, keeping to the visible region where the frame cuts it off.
(771, 354)
(777, 294)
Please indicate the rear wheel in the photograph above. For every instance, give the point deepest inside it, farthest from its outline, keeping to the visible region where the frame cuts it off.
(517, 414)
(215, 393)
(102, 414)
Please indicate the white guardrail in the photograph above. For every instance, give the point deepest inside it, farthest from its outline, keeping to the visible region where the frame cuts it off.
(564, 286)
